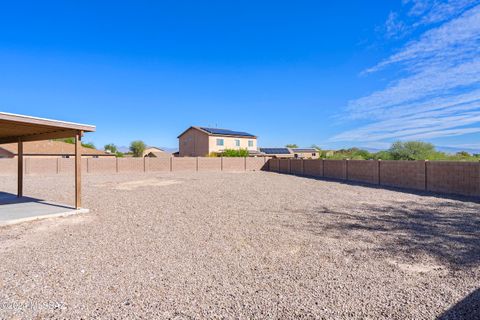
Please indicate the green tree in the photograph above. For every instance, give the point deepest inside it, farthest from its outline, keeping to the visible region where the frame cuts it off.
(413, 150)
(292, 145)
(137, 148)
(112, 148)
(383, 155)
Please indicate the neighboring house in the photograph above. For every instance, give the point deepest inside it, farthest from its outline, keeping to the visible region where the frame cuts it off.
(154, 152)
(277, 152)
(306, 153)
(49, 149)
(201, 141)
(300, 153)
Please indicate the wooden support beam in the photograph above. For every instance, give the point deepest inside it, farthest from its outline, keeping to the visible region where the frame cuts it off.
(78, 170)
(40, 136)
(20, 169)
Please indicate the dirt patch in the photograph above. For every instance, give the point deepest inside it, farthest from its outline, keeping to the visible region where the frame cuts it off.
(256, 245)
(132, 185)
(417, 267)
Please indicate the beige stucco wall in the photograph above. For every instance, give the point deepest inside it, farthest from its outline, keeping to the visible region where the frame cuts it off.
(307, 155)
(193, 143)
(229, 143)
(158, 153)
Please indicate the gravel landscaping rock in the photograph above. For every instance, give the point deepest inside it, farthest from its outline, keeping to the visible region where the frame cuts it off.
(240, 245)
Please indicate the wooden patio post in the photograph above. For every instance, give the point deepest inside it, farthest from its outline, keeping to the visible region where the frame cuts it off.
(20, 169)
(78, 170)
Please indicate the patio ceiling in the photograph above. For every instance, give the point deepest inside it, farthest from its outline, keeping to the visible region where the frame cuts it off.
(24, 128)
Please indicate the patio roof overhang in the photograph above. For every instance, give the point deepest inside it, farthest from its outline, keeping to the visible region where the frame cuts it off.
(20, 128)
(15, 127)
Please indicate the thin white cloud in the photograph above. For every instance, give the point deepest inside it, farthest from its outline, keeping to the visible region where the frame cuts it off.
(394, 26)
(438, 94)
(442, 11)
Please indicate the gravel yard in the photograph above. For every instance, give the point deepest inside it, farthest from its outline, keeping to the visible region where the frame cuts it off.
(240, 245)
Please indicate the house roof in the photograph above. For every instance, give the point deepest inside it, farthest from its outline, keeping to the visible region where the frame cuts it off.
(304, 150)
(50, 148)
(14, 127)
(221, 132)
(156, 148)
(275, 150)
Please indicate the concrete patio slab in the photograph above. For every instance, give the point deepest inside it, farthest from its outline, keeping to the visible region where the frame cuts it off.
(15, 210)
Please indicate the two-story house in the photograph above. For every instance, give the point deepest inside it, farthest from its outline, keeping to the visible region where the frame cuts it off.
(201, 141)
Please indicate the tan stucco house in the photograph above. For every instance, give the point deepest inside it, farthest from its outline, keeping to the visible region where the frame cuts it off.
(154, 152)
(201, 141)
(49, 149)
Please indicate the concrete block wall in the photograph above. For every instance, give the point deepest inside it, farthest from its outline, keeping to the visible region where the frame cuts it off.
(234, 164)
(256, 164)
(42, 165)
(460, 178)
(313, 167)
(274, 165)
(296, 166)
(8, 167)
(454, 177)
(108, 165)
(284, 166)
(49, 166)
(184, 164)
(209, 164)
(158, 164)
(403, 174)
(335, 169)
(363, 171)
(130, 165)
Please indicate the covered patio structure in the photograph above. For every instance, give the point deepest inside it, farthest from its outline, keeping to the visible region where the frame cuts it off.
(20, 129)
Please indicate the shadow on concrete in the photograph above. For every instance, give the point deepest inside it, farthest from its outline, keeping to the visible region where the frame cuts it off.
(448, 230)
(10, 198)
(467, 309)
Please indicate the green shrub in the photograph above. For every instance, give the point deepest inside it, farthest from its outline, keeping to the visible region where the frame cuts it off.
(72, 141)
(235, 153)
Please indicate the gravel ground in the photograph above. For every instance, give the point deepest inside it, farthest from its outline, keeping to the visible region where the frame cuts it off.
(241, 245)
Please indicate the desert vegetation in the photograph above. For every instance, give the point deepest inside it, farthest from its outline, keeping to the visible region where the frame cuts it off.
(409, 150)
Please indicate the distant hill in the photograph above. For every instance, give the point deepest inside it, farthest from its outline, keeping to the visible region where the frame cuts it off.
(455, 150)
(450, 149)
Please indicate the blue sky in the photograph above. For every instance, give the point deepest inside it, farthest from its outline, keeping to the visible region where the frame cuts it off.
(339, 74)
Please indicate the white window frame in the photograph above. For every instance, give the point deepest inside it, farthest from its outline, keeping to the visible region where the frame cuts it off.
(220, 142)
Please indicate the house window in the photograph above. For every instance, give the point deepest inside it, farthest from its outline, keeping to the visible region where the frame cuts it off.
(296, 156)
(96, 157)
(250, 143)
(219, 142)
(237, 143)
(65, 157)
(314, 154)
